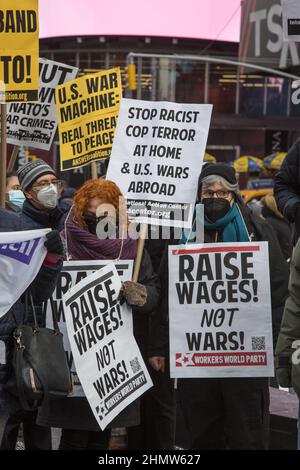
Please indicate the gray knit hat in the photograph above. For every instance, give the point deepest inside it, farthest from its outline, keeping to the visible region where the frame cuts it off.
(31, 171)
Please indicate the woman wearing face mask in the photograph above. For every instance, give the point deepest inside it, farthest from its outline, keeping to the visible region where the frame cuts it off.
(99, 210)
(14, 196)
(229, 413)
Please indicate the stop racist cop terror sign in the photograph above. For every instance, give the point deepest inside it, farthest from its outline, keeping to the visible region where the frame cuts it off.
(157, 157)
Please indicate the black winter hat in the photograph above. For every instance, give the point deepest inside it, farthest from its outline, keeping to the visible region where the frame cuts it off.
(227, 172)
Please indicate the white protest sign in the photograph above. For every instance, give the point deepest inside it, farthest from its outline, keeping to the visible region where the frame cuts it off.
(220, 310)
(107, 359)
(72, 273)
(291, 20)
(157, 157)
(21, 257)
(35, 124)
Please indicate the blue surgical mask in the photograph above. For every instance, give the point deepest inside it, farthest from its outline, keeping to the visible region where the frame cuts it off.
(15, 200)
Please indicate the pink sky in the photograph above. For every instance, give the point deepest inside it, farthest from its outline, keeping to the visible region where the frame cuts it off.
(203, 19)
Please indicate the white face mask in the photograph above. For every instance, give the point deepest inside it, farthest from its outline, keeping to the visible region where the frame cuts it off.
(48, 197)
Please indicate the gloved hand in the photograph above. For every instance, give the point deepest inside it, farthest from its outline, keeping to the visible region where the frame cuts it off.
(54, 243)
(134, 293)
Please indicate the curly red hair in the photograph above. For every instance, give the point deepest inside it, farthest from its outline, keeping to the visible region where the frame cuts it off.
(105, 190)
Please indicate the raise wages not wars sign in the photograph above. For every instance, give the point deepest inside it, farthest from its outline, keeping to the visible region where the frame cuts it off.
(220, 310)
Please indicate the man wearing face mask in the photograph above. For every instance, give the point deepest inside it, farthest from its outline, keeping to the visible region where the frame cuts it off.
(14, 196)
(41, 188)
(232, 413)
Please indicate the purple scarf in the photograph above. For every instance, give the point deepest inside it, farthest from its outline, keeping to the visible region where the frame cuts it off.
(83, 245)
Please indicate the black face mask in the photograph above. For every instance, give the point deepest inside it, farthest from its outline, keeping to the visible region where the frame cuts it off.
(215, 209)
(91, 221)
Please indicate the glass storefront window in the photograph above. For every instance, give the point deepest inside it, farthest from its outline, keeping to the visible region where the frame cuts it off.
(252, 90)
(277, 96)
(222, 88)
(190, 80)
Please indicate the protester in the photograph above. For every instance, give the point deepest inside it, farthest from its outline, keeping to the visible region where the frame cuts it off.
(13, 195)
(80, 429)
(287, 188)
(228, 412)
(280, 225)
(35, 437)
(157, 428)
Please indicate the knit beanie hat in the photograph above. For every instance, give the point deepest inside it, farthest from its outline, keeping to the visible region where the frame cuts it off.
(227, 172)
(31, 171)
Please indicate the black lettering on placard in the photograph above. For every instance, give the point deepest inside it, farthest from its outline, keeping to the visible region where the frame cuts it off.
(110, 380)
(207, 278)
(217, 317)
(18, 21)
(105, 355)
(215, 341)
(101, 83)
(48, 72)
(64, 282)
(16, 68)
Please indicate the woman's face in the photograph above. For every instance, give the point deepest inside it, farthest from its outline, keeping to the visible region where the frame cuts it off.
(218, 191)
(93, 205)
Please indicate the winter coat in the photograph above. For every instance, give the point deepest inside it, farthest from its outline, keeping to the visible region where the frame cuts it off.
(259, 230)
(281, 226)
(287, 370)
(32, 218)
(41, 289)
(287, 186)
(75, 413)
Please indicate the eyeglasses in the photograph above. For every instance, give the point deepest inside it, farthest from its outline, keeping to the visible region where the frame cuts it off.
(46, 184)
(220, 193)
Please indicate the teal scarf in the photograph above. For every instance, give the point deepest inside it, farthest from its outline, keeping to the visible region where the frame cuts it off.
(231, 227)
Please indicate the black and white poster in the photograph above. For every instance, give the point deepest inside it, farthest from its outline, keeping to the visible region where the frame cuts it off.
(157, 157)
(35, 124)
(107, 358)
(220, 310)
(72, 273)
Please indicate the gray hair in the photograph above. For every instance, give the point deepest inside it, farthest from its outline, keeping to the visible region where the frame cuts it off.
(213, 179)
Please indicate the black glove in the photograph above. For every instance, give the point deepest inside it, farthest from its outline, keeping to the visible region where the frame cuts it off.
(54, 243)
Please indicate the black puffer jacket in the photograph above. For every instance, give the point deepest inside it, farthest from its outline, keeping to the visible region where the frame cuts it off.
(279, 274)
(75, 413)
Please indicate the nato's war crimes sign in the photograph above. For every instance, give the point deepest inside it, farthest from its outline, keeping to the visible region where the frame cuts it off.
(107, 358)
(72, 273)
(35, 124)
(220, 311)
(157, 157)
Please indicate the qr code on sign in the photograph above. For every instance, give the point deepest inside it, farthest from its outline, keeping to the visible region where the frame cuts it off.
(258, 343)
(135, 365)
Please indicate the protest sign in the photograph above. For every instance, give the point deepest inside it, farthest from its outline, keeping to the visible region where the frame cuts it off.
(35, 124)
(72, 273)
(220, 310)
(21, 256)
(157, 157)
(291, 20)
(87, 117)
(107, 358)
(19, 39)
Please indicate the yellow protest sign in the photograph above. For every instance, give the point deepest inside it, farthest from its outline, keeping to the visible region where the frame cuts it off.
(19, 50)
(87, 111)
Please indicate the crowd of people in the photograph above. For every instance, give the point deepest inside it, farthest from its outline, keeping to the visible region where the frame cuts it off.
(219, 413)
